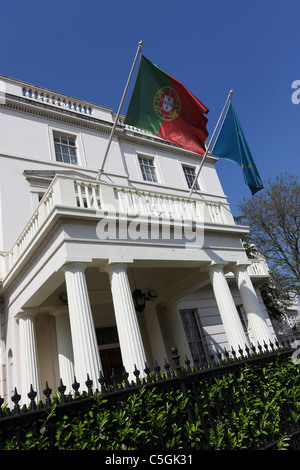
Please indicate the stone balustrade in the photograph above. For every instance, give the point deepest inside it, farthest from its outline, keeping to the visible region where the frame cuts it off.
(86, 194)
(57, 100)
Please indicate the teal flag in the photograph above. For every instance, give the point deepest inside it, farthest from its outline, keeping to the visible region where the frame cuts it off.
(232, 145)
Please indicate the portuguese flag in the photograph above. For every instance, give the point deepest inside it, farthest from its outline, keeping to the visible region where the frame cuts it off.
(164, 107)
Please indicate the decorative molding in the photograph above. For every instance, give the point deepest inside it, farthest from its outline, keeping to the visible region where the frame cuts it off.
(128, 135)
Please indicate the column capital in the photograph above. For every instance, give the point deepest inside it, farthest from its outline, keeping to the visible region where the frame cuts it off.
(217, 266)
(74, 266)
(55, 312)
(117, 265)
(27, 312)
(237, 267)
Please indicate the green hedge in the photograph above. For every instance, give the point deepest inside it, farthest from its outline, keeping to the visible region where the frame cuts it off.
(250, 406)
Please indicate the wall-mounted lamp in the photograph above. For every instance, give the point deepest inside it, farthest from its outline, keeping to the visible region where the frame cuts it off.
(139, 300)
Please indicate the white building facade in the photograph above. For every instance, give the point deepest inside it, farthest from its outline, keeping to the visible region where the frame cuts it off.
(74, 248)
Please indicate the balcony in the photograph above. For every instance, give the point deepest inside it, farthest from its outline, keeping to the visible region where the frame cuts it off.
(87, 198)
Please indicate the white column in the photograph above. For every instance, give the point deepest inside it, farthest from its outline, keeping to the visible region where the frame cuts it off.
(131, 344)
(157, 345)
(232, 325)
(64, 347)
(178, 335)
(85, 347)
(28, 354)
(255, 315)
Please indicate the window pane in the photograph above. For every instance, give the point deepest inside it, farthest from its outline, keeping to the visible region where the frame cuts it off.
(190, 176)
(193, 336)
(65, 148)
(148, 169)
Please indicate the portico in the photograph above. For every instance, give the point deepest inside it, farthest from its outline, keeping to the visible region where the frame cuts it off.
(143, 338)
(79, 282)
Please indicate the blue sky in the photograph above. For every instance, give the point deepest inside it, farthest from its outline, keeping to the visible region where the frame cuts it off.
(86, 48)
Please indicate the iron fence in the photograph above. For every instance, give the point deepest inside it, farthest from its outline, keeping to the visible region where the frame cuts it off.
(194, 383)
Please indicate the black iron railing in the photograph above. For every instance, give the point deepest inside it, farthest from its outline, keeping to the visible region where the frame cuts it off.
(201, 409)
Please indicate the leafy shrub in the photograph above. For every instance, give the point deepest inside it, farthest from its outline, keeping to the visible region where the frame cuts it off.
(246, 408)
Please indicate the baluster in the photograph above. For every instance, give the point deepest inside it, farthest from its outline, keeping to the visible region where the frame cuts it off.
(80, 196)
(141, 205)
(193, 211)
(147, 201)
(128, 204)
(119, 193)
(182, 209)
(135, 205)
(87, 196)
(94, 197)
(176, 208)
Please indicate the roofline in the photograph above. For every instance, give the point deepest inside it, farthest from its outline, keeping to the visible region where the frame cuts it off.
(48, 90)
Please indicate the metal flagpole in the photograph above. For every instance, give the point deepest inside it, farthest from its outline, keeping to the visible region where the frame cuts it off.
(210, 142)
(140, 45)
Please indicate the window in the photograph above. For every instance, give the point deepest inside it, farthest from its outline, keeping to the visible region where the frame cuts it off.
(65, 148)
(148, 169)
(243, 318)
(193, 335)
(190, 175)
(107, 335)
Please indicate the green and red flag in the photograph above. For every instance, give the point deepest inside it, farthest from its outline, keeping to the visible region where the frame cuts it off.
(164, 107)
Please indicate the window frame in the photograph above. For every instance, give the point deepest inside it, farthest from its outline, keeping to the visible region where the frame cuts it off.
(67, 144)
(191, 167)
(204, 357)
(154, 166)
(243, 319)
(81, 159)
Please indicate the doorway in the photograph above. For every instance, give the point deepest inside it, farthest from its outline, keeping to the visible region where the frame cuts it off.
(111, 360)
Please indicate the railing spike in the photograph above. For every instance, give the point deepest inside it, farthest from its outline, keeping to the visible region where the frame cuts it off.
(89, 384)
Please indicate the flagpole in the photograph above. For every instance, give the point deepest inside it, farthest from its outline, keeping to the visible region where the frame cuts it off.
(140, 45)
(210, 142)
